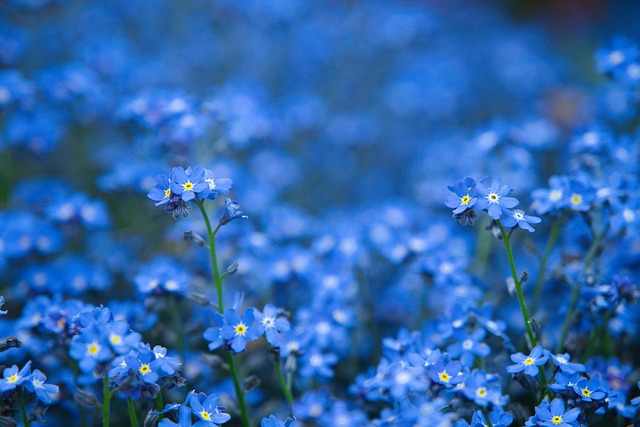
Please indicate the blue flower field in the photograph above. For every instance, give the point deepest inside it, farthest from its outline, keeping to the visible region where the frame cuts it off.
(319, 213)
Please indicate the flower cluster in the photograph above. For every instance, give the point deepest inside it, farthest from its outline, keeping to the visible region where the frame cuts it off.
(199, 405)
(185, 185)
(469, 196)
(20, 381)
(235, 331)
(349, 299)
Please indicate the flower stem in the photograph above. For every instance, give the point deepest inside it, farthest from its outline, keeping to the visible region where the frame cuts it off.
(553, 238)
(523, 306)
(591, 253)
(218, 282)
(159, 404)
(283, 384)
(106, 400)
(236, 384)
(132, 412)
(5, 177)
(212, 248)
(516, 280)
(23, 412)
(486, 417)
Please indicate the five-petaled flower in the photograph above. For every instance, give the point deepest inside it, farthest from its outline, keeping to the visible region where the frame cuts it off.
(494, 198)
(529, 364)
(553, 414)
(465, 195)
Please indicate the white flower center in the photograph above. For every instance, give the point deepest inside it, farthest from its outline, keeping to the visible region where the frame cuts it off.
(616, 57)
(211, 182)
(628, 215)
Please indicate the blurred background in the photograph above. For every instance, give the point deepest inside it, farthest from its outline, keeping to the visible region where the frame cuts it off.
(341, 123)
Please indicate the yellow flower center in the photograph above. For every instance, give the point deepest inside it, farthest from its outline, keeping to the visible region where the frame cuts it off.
(586, 392)
(576, 199)
(115, 339)
(167, 192)
(493, 197)
(61, 322)
(144, 369)
(528, 361)
(241, 329)
(13, 378)
(205, 415)
(556, 419)
(481, 392)
(465, 199)
(93, 348)
(187, 186)
(444, 377)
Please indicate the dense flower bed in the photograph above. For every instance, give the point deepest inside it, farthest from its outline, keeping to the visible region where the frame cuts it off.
(318, 213)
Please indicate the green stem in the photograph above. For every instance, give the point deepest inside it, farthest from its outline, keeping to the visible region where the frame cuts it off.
(177, 318)
(212, 248)
(218, 282)
(591, 253)
(106, 400)
(23, 411)
(600, 333)
(593, 249)
(6, 175)
(283, 384)
(132, 412)
(516, 280)
(239, 393)
(485, 411)
(523, 306)
(553, 238)
(159, 404)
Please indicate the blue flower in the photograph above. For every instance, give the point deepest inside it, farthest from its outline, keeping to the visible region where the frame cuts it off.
(620, 52)
(498, 418)
(12, 378)
(468, 346)
(162, 274)
(553, 414)
(91, 347)
(484, 389)
(212, 334)
(317, 364)
(552, 199)
(231, 211)
(465, 195)
(270, 322)
(274, 422)
(562, 361)
(189, 183)
(2, 312)
(144, 361)
(239, 329)
(184, 416)
(528, 364)
(161, 193)
(579, 195)
(122, 338)
(494, 198)
(564, 381)
(216, 185)
(445, 371)
(165, 363)
(589, 390)
(519, 218)
(206, 408)
(36, 384)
